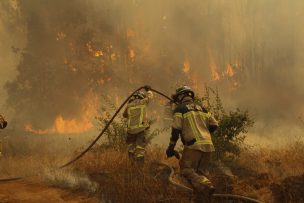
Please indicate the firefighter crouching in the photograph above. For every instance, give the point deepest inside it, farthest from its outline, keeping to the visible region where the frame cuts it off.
(3, 122)
(194, 124)
(137, 124)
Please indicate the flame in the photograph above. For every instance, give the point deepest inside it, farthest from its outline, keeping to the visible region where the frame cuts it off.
(64, 125)
(214, 72)
(96, 53)
(132, 54)
(186, 67)
(229, 71)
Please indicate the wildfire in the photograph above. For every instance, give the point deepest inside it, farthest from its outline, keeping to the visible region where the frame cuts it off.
(132, 54)
(96, 53)
(214, 71)
(229, 70)
(186, 67)
(64, 125)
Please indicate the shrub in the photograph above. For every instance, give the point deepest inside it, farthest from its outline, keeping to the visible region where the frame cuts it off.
(232, 125)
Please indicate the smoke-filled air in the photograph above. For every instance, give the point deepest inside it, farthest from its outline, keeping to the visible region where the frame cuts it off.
(67, 65)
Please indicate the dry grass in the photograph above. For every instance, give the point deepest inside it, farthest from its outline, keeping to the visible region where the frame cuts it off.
(13, 166)
(259, 169)
(109, 175)
(122, 181)
(279, 163)
(256, 170)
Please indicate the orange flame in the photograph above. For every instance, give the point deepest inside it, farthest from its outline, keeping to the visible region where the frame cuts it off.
(96, 53)
(75, 125)
(214, 72)
(229, 70)
(132, 54)
(186, 67)
(63, 126)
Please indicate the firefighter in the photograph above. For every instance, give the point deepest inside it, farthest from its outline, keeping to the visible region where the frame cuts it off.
(194, 124)
(3, 122)
(137, 124)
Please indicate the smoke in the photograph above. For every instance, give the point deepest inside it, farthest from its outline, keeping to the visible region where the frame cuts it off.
(251, 50)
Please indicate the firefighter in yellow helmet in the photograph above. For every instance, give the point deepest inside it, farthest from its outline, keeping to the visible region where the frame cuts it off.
(193, 123)
(3, 122)
(137, 124)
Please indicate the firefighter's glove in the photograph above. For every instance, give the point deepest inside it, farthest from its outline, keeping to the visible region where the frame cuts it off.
(147, 87)
(170, 151)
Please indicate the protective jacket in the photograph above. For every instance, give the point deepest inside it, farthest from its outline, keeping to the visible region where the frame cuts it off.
(193, 123)
(136, 113)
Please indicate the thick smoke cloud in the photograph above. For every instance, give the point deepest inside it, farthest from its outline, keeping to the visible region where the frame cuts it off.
(251, 50)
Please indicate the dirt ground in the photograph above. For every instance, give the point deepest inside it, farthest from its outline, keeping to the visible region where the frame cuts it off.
(25, 192)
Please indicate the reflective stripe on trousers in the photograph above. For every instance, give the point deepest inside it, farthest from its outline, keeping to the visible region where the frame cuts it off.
(136, 144)
(193, 166)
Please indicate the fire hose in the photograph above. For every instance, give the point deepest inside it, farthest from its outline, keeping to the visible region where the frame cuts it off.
(215, 196)
(221, 196)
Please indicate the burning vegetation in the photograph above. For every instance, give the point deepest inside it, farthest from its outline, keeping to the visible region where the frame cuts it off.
(71, 54)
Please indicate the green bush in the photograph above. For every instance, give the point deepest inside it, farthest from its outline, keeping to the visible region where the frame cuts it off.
(233, 125)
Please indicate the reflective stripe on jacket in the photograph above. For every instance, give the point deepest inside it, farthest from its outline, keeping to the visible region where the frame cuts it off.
(194, 122)
(136, 114)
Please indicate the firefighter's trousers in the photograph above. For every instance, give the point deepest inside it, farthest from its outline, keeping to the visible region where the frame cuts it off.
(136, 146)
(193, 166)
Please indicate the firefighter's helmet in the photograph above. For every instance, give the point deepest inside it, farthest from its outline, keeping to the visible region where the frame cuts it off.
(185, 91)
